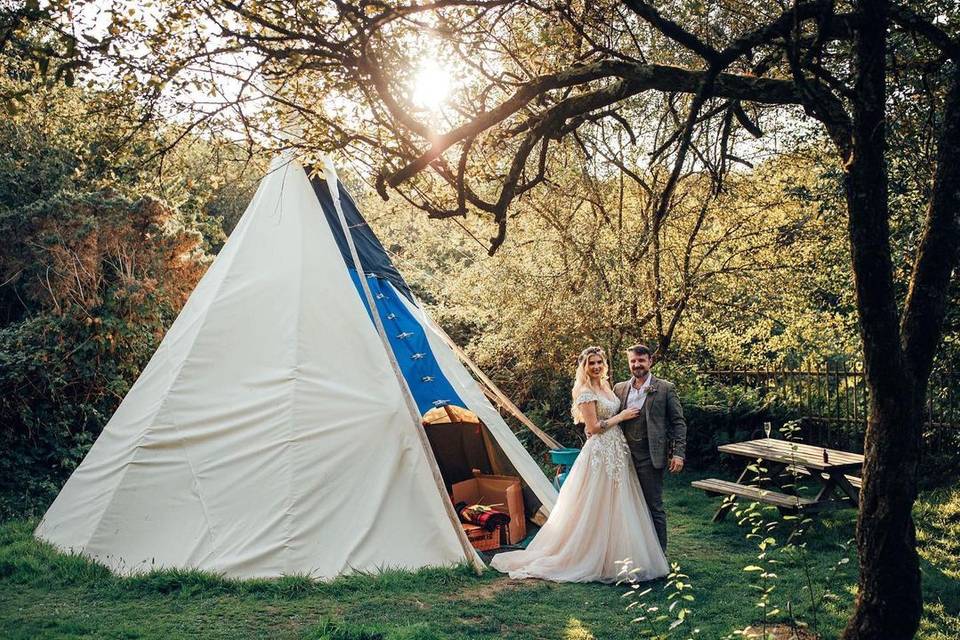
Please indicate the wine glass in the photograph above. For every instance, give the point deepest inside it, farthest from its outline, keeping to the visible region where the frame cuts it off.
(767, 428)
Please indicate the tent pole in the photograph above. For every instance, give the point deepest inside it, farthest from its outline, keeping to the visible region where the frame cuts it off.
(501, 402)
(468, 550)
(494, 393)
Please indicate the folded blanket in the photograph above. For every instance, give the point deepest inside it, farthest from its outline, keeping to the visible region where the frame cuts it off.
(482, 515)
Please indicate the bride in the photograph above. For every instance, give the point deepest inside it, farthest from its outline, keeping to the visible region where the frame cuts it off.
(600, 516)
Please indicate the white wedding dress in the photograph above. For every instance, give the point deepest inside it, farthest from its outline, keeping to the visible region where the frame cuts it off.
(600, 518)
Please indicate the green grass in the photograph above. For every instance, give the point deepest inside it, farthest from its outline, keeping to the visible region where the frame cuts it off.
(44, 594)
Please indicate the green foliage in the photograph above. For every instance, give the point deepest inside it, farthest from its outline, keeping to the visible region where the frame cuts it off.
(673, 621)
(99, 279)
(34, 41)
(95, 268)
(772, 290)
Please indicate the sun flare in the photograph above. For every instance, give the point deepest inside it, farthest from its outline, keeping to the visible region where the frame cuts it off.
(432, 85)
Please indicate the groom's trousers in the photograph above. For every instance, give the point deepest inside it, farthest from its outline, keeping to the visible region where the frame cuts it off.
(651, 482)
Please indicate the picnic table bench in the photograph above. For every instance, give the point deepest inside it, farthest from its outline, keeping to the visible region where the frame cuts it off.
(834, 469)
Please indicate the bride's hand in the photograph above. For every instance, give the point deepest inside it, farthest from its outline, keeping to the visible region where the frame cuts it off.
(628, 414)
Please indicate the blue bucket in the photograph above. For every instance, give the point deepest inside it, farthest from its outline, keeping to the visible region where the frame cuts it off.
(565, 456)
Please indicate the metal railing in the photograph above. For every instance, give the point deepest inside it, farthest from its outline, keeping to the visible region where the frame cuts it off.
(833, 399)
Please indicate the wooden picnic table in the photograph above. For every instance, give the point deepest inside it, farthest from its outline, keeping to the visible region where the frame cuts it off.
(835, 470)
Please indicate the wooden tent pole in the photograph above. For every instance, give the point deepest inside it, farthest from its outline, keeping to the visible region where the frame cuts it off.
(494, 393)
(501, 402)
(468, 550)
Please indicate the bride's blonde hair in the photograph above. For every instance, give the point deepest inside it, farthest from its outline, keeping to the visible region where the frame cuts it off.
(581, 379)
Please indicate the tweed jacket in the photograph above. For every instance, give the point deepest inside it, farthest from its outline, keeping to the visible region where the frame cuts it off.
(666, 426)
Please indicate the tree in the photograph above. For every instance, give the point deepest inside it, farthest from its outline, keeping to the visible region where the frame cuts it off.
(58, 54)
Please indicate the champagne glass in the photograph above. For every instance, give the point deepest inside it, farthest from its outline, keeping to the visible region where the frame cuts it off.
(767, 428)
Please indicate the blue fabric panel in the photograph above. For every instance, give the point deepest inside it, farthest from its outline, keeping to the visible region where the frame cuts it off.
(429, 386)
(373, 257)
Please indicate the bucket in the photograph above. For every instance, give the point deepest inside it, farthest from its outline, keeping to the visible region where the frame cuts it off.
(565, 458)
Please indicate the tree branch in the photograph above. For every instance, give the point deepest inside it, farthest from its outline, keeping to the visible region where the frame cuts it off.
(639, 77)
(926, 304)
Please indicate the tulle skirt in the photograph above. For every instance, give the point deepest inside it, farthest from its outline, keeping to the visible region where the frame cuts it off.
(600, 518)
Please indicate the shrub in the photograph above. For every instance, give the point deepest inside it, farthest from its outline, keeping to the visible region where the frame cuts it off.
(99, 278)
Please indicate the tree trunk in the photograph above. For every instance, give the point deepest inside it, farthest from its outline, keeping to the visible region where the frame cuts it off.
(889, 601)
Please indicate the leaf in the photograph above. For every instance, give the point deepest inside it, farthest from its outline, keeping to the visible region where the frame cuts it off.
(753, 567)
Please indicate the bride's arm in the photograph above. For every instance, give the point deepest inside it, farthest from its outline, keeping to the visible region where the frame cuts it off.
(588, 410)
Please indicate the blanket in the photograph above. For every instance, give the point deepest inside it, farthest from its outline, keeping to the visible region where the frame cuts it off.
(482, 515)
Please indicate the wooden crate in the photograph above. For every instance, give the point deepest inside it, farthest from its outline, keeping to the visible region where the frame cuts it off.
(483, 540)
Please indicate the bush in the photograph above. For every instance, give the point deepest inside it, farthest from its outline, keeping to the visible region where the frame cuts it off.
(101, 279)
(94, 266)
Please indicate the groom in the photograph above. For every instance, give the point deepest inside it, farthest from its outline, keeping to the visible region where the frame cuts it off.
(658, 436)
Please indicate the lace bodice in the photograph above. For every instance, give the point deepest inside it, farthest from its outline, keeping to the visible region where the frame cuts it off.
(609, 449)
(606, 407)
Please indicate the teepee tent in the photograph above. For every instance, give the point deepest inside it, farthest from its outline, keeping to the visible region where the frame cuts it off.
(275, 431)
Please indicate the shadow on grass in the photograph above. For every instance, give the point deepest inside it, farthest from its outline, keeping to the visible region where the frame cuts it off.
(937, 515)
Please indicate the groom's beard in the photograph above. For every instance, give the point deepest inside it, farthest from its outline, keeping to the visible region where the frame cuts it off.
(639, 373)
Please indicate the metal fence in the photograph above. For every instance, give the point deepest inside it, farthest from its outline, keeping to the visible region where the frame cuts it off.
(833, 400)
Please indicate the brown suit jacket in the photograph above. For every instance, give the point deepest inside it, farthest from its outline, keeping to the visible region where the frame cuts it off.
(666, 426)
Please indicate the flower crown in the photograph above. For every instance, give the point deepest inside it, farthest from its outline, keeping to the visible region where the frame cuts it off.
(589, 351)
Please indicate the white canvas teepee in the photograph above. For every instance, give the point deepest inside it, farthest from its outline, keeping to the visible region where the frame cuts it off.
(269, 434)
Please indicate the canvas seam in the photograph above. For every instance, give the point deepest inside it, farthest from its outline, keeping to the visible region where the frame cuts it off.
(291, 425)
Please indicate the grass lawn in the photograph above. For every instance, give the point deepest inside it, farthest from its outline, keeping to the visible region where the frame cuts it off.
(48, 595)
